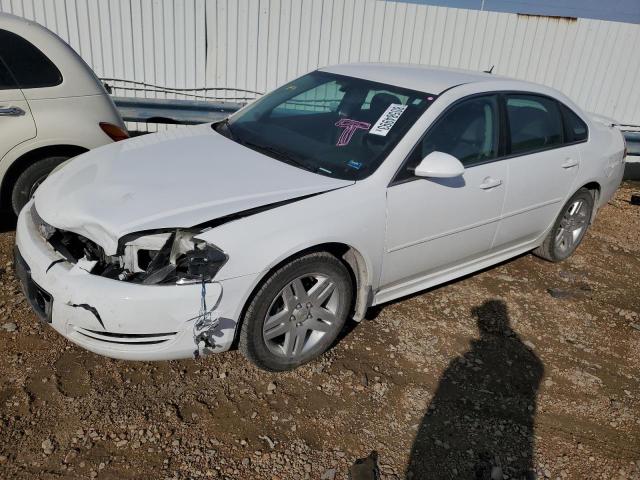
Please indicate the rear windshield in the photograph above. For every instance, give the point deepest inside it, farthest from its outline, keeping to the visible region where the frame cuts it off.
(334, 125)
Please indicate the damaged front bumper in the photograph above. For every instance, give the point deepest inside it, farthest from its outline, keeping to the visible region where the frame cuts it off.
(121, 319)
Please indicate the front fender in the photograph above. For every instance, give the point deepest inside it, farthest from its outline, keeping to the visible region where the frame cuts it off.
(353, 216)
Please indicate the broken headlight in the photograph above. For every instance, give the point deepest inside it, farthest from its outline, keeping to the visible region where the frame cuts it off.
(47, 231)
(170, 258)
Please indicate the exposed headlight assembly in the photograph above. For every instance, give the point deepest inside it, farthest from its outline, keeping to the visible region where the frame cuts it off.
(152, 258)
(180, 259)
(46, 230)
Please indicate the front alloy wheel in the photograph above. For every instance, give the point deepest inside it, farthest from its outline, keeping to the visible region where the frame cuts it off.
(302, 313)
(297, 313)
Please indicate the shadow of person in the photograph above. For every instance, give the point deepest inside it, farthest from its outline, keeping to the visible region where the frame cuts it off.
(480, 423)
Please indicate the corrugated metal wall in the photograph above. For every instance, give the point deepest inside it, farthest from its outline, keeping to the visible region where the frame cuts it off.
(237, 49)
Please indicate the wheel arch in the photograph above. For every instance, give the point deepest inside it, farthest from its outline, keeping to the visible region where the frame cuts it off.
(353, 259)
(24, 161)
(595, 188)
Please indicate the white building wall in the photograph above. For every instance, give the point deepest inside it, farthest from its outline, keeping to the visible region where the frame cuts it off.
(237, 49)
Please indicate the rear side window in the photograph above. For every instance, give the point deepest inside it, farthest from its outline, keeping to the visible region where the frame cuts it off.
(535, 123)
(29, 66)
(6, 80)
(575, 130)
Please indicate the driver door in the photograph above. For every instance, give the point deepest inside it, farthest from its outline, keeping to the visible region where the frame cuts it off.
(437, 224)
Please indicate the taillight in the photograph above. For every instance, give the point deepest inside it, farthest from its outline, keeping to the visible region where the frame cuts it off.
(114, 132)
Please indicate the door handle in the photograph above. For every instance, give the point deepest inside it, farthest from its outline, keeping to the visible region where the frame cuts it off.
(569, 163)
(489, 183)
(11, 112)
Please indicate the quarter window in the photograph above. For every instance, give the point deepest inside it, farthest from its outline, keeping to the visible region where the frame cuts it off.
(29, 66)
(575, 130)
(535, 123)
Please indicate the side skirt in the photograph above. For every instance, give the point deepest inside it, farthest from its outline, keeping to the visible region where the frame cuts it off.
(422, 283)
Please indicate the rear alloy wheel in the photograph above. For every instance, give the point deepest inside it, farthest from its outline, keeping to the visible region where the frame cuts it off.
(29, 180)
(569, 229)
(297, 313)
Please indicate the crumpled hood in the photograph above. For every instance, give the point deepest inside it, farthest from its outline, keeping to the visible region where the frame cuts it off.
(175, 179)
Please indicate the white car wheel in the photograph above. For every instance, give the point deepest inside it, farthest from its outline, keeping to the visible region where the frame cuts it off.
(297, 313)
(569, 229)
(29, 180)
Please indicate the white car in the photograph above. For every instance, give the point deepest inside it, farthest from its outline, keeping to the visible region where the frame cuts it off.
(348, 187)
(52, 107)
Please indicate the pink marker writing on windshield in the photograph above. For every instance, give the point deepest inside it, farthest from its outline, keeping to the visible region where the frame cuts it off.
(350, 127)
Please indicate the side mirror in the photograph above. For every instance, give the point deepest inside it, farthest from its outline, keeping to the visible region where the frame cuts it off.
(439, 165)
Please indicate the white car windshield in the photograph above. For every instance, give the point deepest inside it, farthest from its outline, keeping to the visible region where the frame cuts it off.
(334, 125)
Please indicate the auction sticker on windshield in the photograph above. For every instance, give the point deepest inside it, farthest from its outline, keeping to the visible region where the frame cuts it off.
(388, 119)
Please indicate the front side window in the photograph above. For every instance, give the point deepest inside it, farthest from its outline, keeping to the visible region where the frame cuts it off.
(29, 66)
(331, 124)
(469, 131)
(535, 123)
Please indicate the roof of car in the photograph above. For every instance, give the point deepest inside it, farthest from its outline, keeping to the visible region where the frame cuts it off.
(14, 23)
(416, 77)
(436, 80)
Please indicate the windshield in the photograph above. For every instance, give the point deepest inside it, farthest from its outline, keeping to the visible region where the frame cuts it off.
(334, 125)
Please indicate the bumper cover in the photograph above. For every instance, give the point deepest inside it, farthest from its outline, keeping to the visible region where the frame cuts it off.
(120, 319)
(40, 300)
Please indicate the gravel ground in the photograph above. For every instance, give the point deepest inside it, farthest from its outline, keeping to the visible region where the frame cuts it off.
(528, 369)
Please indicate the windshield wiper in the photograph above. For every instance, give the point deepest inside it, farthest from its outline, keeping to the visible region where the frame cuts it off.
(280, 155)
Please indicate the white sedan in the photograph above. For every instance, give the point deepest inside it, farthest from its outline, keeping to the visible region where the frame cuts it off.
(346, 188)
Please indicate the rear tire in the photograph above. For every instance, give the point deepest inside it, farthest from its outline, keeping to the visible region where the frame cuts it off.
(297, 313)
(569, 228)
(29, 180)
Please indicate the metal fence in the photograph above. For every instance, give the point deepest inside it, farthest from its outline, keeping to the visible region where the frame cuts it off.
(234, 50)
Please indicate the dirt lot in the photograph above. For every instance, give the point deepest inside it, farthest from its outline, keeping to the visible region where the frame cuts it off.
(528, 366)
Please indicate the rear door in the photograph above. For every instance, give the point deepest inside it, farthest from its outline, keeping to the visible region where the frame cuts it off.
(16, 122)
(543, 166)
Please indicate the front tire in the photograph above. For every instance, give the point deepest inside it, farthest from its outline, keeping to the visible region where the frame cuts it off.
(29, 180)
(569, 228)
(297, 313)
